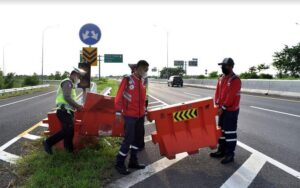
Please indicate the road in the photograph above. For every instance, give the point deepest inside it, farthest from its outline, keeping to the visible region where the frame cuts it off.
(267, 155)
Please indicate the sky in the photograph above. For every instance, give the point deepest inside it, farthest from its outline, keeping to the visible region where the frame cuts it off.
(248, 32)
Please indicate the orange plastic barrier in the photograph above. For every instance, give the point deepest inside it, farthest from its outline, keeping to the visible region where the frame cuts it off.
(96, 119)
(185, 127)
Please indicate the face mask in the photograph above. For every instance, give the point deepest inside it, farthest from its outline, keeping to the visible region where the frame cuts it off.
(225, 70)
(77, 81)
(145, 74)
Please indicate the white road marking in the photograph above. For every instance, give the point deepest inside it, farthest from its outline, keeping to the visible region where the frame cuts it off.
(157, 106)
(31, 137)
(193, 94)
(276, 163)
(243, 177)
(140, 175)
(44, 125)
(157, 99)
(154, 102)
(8, 157)
(26, 99)
(269, 110)
(7, 144)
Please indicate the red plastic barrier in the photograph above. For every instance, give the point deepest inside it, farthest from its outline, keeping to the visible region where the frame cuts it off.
(96, 119)
(185, 127)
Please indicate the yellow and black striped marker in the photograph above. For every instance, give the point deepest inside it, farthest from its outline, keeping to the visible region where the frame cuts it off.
(90, 55)
(185, 115)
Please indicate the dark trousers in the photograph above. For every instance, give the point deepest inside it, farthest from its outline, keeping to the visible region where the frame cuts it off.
(67, 130)
(228, 123)
(133, 138)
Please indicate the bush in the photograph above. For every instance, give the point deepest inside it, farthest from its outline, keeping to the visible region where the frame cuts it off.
(201, 76)
(31, 80)
(249, 75)
(266, 76)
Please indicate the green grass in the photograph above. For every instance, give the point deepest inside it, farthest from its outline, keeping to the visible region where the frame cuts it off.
(18, 93)
(103, 83)
(90, 167)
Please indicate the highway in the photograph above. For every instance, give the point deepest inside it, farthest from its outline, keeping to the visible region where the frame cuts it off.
(267, 154)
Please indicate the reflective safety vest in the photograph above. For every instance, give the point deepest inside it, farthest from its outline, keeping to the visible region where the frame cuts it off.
(60, 100)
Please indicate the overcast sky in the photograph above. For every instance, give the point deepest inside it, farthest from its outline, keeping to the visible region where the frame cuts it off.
(247, 32)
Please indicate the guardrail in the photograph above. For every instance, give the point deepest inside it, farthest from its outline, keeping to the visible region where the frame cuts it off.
(12, 90)
(282, 88)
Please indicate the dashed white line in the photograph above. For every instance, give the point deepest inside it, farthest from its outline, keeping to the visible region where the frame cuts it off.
(26, 99)
(243, 177)
(269, 110)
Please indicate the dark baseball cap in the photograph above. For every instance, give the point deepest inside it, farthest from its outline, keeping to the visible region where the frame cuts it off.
(227, 61)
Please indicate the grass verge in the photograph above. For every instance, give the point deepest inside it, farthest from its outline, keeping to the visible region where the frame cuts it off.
(90, 167)
(18, 93)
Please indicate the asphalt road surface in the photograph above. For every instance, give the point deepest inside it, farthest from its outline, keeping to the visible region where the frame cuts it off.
(267, 155)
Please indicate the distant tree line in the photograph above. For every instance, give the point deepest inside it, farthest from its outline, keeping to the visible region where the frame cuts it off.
(11, 80)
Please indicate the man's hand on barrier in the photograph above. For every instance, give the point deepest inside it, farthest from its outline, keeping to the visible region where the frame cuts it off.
(80, 108)
(118, 117)
(220, 111)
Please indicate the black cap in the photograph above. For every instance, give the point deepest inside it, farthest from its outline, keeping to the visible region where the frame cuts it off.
(227, 61)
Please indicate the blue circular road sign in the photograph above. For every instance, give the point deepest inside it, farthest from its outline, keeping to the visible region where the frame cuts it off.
(90, 34)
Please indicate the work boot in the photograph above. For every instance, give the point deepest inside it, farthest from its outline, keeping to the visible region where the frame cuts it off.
(134, 164)
(47, 148)
(218, 154)
(121, 168)
(228, 159)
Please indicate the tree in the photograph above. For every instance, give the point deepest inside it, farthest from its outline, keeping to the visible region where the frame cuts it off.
(262, 67)
(167, 72)
(252, 70)
(213, 74)
(9, 80)
(31, 80)
(57, 75)
(287, 61)
(65, 75)
(1, 80)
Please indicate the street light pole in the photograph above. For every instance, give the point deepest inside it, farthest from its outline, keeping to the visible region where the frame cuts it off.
(43, 42)
(167, 32)
(3, 51)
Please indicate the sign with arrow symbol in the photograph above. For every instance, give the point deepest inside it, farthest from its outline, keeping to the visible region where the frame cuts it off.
(90, 34)
(90, 56)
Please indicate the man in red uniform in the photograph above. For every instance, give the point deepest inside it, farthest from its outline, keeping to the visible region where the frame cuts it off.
(130, 103)
(227, 98)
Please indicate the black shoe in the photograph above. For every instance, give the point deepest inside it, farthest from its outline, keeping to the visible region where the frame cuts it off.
(136, 165)
(228, 159)
(122, 169)
(47, 148)
(217, 154)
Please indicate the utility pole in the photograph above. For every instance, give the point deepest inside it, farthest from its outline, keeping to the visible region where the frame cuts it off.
(99, 61)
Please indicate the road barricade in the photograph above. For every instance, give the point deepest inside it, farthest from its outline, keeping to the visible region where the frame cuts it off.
(185, 127)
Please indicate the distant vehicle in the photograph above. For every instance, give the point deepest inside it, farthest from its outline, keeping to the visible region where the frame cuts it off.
(175, 80)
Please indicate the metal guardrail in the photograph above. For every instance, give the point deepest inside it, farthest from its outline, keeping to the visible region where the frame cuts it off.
(281, 88)
(12, 90)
